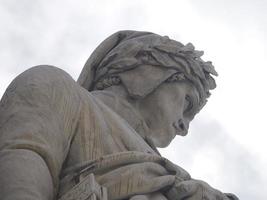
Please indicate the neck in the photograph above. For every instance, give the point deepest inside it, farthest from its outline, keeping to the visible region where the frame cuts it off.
(116, 98)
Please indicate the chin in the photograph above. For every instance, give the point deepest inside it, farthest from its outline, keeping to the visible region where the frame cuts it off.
(162, 143)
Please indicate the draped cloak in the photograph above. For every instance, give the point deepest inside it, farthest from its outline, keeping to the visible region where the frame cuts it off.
(49, 120)
(52, 129)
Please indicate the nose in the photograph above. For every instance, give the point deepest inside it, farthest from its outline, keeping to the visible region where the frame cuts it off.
(181, 127)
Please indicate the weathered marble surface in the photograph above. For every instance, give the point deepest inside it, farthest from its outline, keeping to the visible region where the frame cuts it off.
(136, 92)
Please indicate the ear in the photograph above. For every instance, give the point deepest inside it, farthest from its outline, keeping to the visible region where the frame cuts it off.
(144, 79)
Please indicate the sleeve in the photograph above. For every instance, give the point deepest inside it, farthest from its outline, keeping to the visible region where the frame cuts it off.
(38, 115)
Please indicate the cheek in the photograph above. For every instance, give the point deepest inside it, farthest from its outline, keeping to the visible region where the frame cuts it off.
(161, 112)
(162, 136)
(162, 119)
(166, 109)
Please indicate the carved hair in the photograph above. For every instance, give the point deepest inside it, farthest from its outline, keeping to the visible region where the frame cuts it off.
(107, 82)
(171, 54)
(127, 51)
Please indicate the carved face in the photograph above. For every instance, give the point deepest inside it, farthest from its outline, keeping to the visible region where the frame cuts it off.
(169, 110)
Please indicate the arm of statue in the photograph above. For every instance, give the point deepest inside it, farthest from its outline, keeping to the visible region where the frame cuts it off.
(34, 135)
(134, 175)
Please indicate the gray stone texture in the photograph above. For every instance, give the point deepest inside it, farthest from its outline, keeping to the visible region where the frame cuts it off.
(96, 138)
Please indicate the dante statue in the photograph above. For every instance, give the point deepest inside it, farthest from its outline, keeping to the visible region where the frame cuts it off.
(97, 138)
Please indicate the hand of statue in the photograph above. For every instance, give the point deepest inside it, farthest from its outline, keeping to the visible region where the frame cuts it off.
(196, 190)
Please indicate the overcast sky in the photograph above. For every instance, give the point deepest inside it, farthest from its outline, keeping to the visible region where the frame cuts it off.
(226, 145)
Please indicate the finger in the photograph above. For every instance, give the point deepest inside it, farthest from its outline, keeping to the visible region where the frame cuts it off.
(186, 189)
(136, 179)
(201, 190)
(231, 196)
(154, 196)
(209, 193)
(221, 196)
(180, 172)
(139, 197)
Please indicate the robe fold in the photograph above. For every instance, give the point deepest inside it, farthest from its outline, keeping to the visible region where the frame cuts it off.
(52, 129)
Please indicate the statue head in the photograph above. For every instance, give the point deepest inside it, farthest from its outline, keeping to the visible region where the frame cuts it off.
(149, 67)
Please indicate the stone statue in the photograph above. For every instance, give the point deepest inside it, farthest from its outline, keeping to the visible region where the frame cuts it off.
(96, 138)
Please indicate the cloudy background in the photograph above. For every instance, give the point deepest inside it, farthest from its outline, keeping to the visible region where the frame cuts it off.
(226, 145)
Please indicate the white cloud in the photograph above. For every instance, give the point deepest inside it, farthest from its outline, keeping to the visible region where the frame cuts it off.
(226, 145)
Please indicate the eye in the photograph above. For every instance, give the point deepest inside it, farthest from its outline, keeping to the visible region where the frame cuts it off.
(188, 104)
